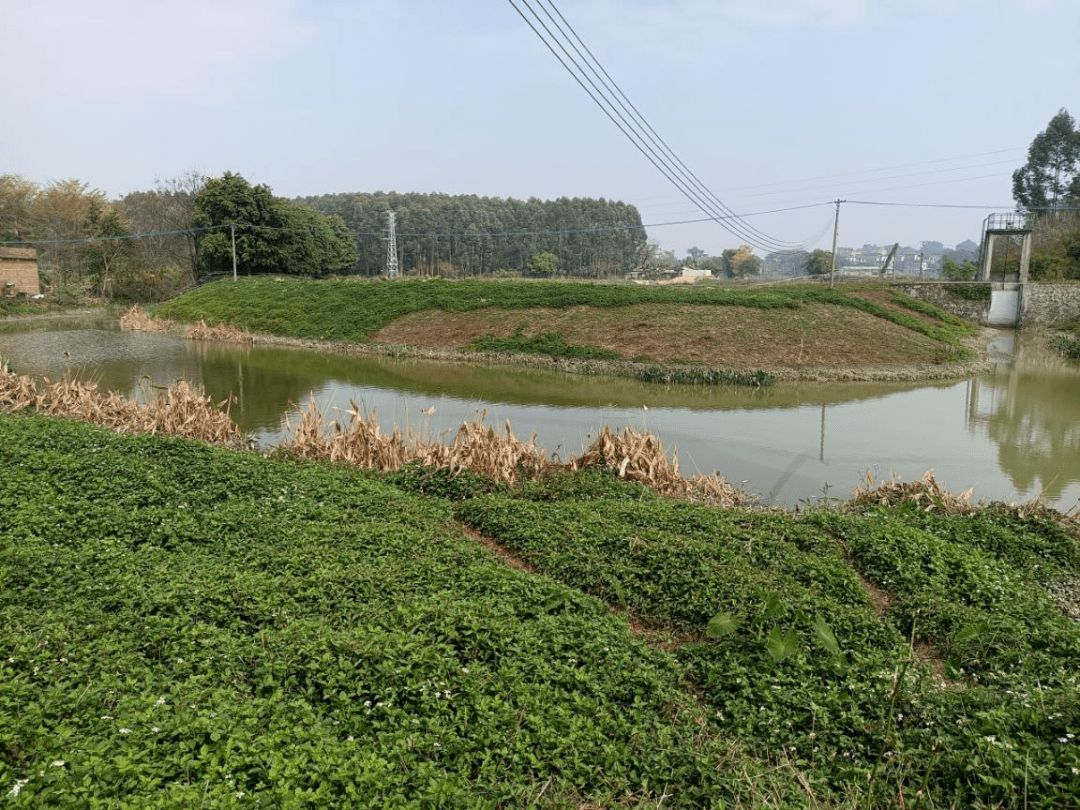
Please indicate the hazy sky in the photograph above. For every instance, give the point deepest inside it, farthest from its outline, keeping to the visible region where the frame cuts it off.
(771, 103)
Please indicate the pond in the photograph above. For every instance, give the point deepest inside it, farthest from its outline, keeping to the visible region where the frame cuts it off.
(1012, 434)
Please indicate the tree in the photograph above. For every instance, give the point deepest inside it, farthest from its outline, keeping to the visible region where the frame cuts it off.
(61, 221)
(163, 218)
(16, 208)
(695, 253)
(273, 235)
(958, 272)
(108, 244)
(818, 262)
(1051, 176)
(542, 265)
(740, 262)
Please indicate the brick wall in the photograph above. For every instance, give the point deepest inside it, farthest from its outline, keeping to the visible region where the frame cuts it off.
(19, 266)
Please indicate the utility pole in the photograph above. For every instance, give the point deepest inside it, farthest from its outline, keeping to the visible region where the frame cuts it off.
(232, 233)
(391, 248)
(835, 234)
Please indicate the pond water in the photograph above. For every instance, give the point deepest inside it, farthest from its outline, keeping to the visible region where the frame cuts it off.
(1013, 434)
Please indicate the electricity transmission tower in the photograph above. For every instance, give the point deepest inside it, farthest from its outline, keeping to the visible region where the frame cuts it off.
(391, 248)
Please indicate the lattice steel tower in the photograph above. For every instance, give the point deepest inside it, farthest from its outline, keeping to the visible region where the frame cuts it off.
(391, 248)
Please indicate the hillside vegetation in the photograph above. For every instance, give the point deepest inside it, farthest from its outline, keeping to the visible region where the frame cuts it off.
(776, 326)
(190, 626)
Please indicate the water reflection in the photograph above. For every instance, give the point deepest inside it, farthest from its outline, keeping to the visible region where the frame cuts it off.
(1011, 435)
(1031, 411)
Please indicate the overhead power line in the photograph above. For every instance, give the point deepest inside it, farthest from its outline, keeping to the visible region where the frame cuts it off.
(587, 71)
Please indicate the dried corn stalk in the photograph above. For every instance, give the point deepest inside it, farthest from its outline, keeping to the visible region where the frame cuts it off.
(135, 319)
(231, 334)
(180, 411)
(641, 457)
(925, 494)
(475, 447)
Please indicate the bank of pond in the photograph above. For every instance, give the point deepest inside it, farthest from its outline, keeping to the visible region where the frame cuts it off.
(183, 624)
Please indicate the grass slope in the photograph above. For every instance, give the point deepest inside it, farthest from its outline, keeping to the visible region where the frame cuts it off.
(352, 310)
(187, 626)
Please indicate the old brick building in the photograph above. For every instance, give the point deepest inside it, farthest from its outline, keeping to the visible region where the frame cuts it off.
(19, 271)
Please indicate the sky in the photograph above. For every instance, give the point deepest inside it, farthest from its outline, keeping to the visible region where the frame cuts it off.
(915, 112)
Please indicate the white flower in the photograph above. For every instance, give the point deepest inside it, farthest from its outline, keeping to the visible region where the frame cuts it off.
(239, 794)
(160, 701)
(19, 785)
(125, 730)
(58, 763)
(155, 729)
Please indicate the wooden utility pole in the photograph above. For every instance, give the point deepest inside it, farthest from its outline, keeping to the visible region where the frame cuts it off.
(232, 233)
(835, 234)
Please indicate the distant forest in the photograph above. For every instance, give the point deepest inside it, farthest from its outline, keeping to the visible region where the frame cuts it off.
(454, 235)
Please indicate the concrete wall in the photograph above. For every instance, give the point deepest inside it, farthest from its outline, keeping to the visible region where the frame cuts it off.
(19, 266)
(1042, 304)
(1050, 304)
(944, 298)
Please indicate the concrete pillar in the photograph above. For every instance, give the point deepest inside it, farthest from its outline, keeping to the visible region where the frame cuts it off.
(988, 254)
(1025, 257)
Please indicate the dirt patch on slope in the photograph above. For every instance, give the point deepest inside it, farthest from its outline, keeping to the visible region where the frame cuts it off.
(812, 336)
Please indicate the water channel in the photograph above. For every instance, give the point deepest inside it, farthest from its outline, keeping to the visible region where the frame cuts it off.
(1012, 434)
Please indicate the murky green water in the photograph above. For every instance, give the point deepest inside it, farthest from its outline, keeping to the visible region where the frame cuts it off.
(1011, 435)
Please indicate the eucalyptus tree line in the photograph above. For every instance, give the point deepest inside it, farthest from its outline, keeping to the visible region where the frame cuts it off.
(470, 235)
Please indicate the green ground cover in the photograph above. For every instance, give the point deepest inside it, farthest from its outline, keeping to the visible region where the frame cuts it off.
(959, 687)
(353, 310)
(188, 626)
(182, 626)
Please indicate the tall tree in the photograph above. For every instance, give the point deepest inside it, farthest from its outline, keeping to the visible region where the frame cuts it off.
(108, 246)
(17, 196)
(273, 235)
(818, 262)
(1051, 177)
(740, 262)
(163, 219)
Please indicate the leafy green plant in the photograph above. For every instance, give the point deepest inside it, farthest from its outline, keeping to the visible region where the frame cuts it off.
(703, 376)
(185, 625)
(1066, 346)
(548, 343)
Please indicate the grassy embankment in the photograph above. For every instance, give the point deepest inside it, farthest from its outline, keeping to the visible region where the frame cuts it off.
(187, 626)
(707, 334)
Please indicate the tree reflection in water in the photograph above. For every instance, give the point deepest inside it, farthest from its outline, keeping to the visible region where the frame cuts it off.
(1031, 410)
